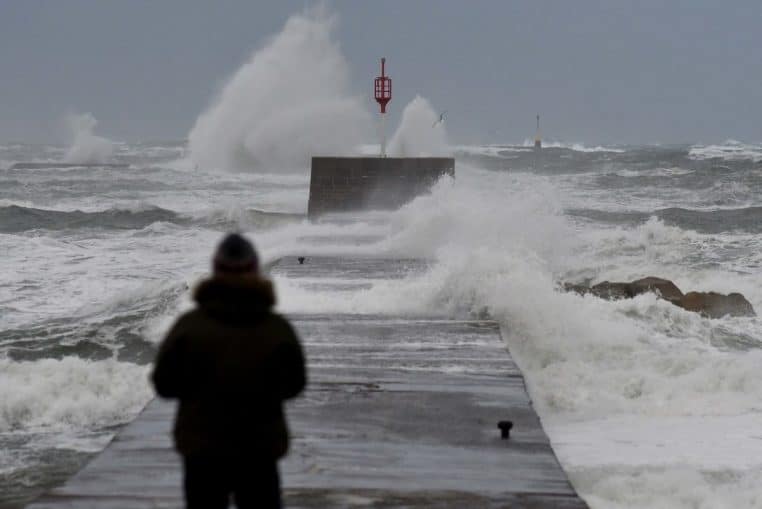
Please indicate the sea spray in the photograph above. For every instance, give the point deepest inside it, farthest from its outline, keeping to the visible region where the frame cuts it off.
(289, 102)
(641, 366)
(86, 147)
(502, 245)
(421, 132)
(624, 388)
(519, 224)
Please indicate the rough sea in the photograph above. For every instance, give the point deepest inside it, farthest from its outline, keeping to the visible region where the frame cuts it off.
(647, 405)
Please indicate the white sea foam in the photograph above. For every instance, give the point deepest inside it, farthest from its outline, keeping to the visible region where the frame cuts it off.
(86, 147)
(70, 393)
(490, 150)
(528, 144)
(655, 172)
(290, 101)
(577, 147)
(730, 150)
(587, 359)
(671, 487)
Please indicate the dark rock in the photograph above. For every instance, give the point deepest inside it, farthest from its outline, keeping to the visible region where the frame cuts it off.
(665, 288)
(576, 288)
(612, 291)
(716, 305)
(710, 304)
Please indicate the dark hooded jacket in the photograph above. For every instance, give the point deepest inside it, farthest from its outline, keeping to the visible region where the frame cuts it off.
(231, 362)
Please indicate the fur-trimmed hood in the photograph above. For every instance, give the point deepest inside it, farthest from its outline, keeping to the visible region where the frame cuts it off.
(231, 362)
(234, 296)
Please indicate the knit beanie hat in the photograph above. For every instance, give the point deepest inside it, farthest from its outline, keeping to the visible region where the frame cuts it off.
(235, 254)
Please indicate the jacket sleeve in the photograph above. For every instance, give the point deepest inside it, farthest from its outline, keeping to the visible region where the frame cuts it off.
(167, 376)
(292, 375)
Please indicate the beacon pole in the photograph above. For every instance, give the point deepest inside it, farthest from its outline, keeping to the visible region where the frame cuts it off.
(383, 134)
(382, 88)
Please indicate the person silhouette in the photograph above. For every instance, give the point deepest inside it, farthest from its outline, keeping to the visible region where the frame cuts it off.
(231, 362)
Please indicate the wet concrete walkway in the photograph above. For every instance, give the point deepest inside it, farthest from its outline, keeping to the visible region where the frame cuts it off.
(400, 412)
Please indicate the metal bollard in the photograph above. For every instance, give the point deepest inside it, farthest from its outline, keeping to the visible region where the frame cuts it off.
(505, 429)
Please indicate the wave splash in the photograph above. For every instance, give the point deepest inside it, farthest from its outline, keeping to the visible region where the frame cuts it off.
(290, 101)
(501, 245)
(86, 146)
(590, 364)
(70, 393)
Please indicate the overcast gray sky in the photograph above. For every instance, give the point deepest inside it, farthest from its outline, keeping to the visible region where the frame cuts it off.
(597, 71)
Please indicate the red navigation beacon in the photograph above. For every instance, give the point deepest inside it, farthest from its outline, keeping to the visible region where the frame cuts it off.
(383, 87)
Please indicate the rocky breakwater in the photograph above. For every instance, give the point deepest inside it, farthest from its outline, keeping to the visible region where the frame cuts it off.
(709, 304)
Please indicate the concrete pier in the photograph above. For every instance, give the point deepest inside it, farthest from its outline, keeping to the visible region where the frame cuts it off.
(401, 411)
(344, 184)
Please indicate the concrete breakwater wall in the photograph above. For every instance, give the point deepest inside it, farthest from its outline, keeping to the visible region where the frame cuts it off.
(345, 184)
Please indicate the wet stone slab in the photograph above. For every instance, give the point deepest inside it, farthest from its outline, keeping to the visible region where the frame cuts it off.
(400, 412)
(405, 412)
